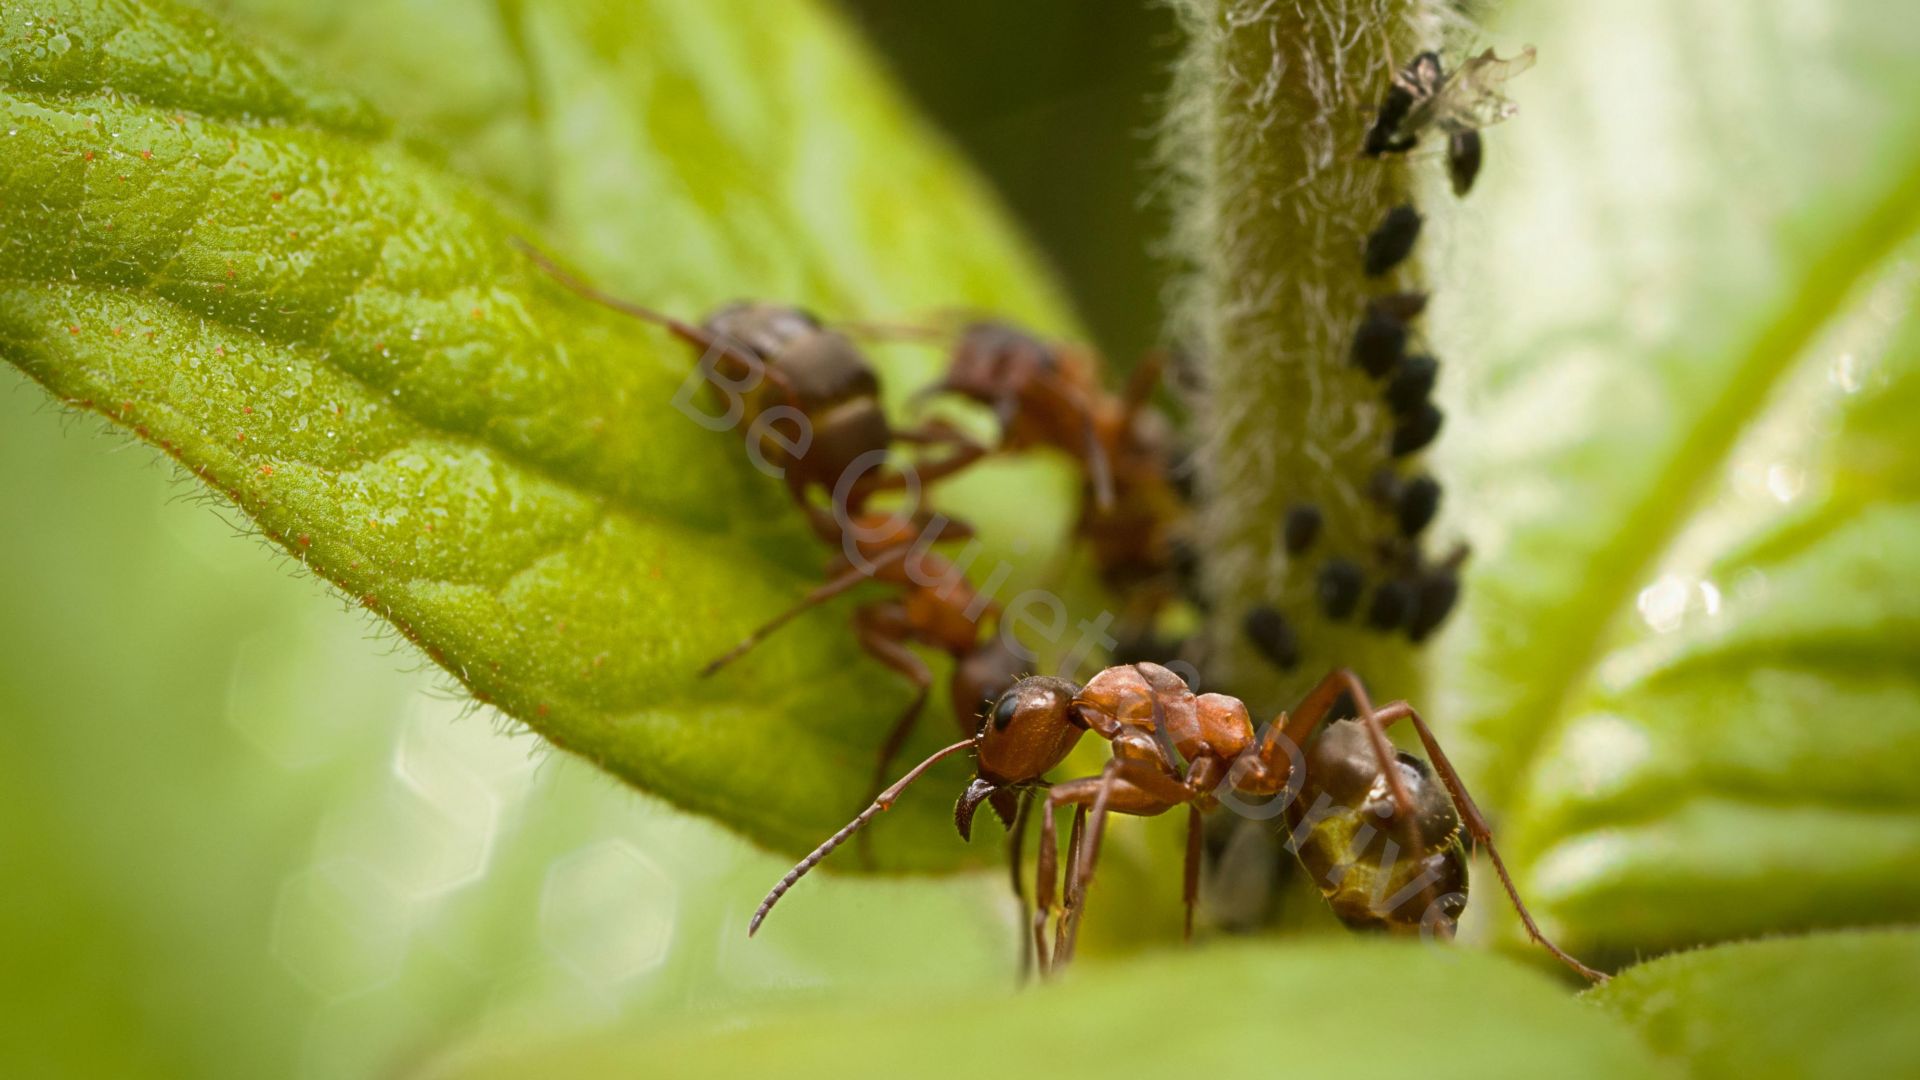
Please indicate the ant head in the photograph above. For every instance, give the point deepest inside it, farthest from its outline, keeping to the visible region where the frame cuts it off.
(767, 329)
(1028, 731)
(994, 361)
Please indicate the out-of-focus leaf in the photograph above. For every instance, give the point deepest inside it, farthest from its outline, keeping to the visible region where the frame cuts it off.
(247, 268)
(1364, 1007)
(1837, 1005)
(1687, 466)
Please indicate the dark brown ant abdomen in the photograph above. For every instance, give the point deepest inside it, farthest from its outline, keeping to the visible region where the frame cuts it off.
(1350, 837)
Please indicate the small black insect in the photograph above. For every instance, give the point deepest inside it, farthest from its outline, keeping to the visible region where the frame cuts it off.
(1392, 604)
(1463, 161)
(1393, 240)
(1437, 592)
(1340, 582)
(1414, 84)
(1415, 504)
(1423, 96)
(1415, 430)
(1379, 343)
(1270, 633)
(1412, 384)
(1301, 527)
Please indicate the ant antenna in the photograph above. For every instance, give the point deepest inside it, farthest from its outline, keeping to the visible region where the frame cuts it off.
(683, 330)
(885, 800)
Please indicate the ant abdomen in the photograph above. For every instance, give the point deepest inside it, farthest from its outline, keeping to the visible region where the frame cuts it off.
(1378, 869)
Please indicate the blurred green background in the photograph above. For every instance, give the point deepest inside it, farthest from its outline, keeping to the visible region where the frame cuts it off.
(244, 832)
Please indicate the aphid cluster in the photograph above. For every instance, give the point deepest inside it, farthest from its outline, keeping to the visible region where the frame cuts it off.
(1394, 588)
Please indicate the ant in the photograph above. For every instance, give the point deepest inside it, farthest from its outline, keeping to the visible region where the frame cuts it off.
(1338, 788)
(821, 373)
(783, 356)
(1046, 396)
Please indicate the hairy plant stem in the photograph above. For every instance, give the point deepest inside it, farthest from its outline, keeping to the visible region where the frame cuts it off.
(1270, 109)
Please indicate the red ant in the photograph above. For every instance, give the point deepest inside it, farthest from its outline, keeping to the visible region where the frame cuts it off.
(1411, 881)
(1049, 396)
(780, 355)
(822, 374)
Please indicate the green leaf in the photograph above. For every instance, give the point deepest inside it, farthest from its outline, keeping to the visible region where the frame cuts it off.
(1835, 1005)
(1687, 468)
(325, 321)
(1371, 1007)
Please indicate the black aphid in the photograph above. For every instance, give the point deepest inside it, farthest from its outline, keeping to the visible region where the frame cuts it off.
(1416, 503)
(1340, 582)
(1270, 633)
(1415, 430)
(1379, 343)
(1463, 161)
(1301, 527)
(1391, 606)
(1438, 591)
(1414, 84)
(1412, 384)
(1382, 137)
(1393, 240)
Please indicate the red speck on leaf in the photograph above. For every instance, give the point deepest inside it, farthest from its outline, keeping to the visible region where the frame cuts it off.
(304, 539)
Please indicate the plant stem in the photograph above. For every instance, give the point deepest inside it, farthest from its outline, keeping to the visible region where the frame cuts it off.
(1271, 107)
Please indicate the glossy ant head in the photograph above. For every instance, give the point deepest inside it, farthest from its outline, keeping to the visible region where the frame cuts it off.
(995, 364)
(1028, 731)
(1031, 729)
(1353, 844)
(768, 329)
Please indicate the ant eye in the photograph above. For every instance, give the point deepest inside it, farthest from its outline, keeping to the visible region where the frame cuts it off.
(1003, 711)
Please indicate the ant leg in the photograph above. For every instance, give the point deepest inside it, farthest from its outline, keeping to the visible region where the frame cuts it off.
(1129, 786)
(1191, 888)
(1015, 842)
(818, 595)
(880, 629)
(1045, 873)
(1062, 947)
(1068, 928)
(1477, 828)
(704, 339)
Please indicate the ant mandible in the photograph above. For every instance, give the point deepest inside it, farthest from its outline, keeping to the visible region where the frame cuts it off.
(1351, 773)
